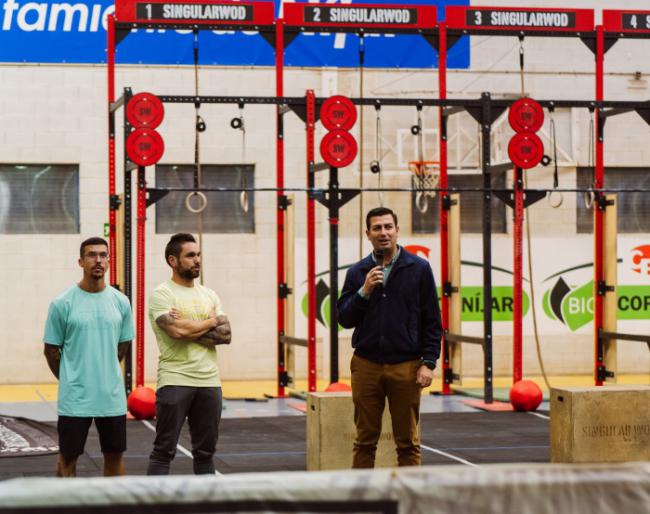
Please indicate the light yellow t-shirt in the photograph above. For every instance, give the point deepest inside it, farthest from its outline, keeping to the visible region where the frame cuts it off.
(183, 362)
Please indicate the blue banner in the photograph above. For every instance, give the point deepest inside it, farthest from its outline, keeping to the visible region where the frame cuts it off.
(75, 32)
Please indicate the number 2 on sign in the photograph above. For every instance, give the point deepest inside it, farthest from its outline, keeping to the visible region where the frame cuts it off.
(316, 13)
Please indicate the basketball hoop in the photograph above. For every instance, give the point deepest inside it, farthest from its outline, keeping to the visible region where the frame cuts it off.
(425, 180)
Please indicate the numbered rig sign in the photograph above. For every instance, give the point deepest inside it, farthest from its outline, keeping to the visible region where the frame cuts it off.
(627, 22)
(513, 19)
(366, 16)
(200, 12)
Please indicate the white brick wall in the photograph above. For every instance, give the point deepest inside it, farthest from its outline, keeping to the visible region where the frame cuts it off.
(56, 114)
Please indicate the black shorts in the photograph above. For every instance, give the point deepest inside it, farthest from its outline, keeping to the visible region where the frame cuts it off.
(73, 432)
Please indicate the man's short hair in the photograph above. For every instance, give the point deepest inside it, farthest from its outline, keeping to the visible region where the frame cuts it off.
(379, 211)
(91, 241)
(175, 245)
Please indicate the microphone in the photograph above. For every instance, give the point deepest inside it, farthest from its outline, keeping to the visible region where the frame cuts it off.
(379, 257)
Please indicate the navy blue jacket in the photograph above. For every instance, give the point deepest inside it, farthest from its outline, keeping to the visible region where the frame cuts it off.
(401, 320)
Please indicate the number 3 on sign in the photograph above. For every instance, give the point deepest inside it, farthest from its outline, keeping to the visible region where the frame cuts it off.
(478, 17)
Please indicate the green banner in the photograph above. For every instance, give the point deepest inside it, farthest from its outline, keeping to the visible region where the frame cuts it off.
(502, 303)
(576, 305)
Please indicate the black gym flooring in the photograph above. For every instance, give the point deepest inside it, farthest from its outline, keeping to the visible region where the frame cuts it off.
(278, 444)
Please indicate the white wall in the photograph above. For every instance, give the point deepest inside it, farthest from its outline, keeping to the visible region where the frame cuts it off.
(56, 114)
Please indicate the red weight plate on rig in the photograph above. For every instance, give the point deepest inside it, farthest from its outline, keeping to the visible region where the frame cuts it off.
(145, 110)
(526, 115)
(144, 147)
(338, 148)
(338, 112)
(525, 150)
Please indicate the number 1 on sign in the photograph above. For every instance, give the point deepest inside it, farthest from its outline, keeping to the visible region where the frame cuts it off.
(148, 8)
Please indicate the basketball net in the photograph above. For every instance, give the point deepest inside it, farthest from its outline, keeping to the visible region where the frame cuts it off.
(426, 175)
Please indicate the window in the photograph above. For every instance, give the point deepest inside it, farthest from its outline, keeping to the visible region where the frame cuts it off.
(633, 209)
(471, 207)
(39, 199)
(223, 213)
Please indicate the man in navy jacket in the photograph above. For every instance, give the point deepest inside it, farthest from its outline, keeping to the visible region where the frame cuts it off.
(390, 300)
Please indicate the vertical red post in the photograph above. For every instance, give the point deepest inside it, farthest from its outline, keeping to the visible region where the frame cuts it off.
(112, 215)
(311, 244)
(444, 214)
(140, 279)
(599, 227)
(517, 310)
(280, 214)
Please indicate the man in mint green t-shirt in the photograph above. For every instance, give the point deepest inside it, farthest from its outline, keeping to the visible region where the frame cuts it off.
(88, 330)
(188, 322)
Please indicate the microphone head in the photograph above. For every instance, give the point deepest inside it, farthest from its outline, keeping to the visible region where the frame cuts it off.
(379, 256)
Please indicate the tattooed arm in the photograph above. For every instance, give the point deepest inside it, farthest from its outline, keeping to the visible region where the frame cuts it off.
(221, 334)
(53, 355)
(177, 328)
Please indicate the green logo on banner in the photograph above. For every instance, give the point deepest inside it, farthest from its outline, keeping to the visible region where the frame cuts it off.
(502, 303)
(575, 306)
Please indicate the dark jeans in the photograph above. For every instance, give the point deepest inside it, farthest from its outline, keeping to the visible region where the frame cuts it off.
(202, 408)
(372, 383)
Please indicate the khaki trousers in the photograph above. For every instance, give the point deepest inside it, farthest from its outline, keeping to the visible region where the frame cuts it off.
(372, 383)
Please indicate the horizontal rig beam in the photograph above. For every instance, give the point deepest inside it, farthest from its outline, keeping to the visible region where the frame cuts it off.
(406, 102)
(316, 190)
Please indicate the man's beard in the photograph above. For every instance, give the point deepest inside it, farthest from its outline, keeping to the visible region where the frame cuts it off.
(97, 273)
(189, 273)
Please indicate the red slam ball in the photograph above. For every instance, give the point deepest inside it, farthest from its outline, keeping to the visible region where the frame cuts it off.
(337, 387)
(525, 395)
(142, 403)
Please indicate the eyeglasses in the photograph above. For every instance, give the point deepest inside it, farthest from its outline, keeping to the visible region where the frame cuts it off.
(102, 256)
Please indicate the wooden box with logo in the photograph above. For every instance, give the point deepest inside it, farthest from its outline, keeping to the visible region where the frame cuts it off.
(331, 433)
(600, 424)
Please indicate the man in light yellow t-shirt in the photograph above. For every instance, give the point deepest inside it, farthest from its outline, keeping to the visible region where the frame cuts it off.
(188, 322)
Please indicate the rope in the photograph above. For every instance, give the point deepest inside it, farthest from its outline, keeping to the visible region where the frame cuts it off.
(378, 154)
(589, 197)
(362, 54)
(556, 178)
(531, 285)
(243, 196)
(421, 201)
(199, 126)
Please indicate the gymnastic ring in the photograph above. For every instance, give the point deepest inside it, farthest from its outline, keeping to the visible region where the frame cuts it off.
(237, 123)
(421, 202)
(202, 203)
(589, 199)
(559, 198)
(243, 201)
(415, 129)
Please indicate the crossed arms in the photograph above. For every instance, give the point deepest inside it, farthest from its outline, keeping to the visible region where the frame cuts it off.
(209, 332)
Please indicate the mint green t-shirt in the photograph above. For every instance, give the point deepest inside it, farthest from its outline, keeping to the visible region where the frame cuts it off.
(88, 327)
(183, 362)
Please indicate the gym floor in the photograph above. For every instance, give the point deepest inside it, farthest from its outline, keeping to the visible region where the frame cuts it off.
(269, 434)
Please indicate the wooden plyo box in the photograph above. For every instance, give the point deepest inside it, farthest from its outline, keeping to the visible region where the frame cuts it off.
(331, 433)
(600, 424)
